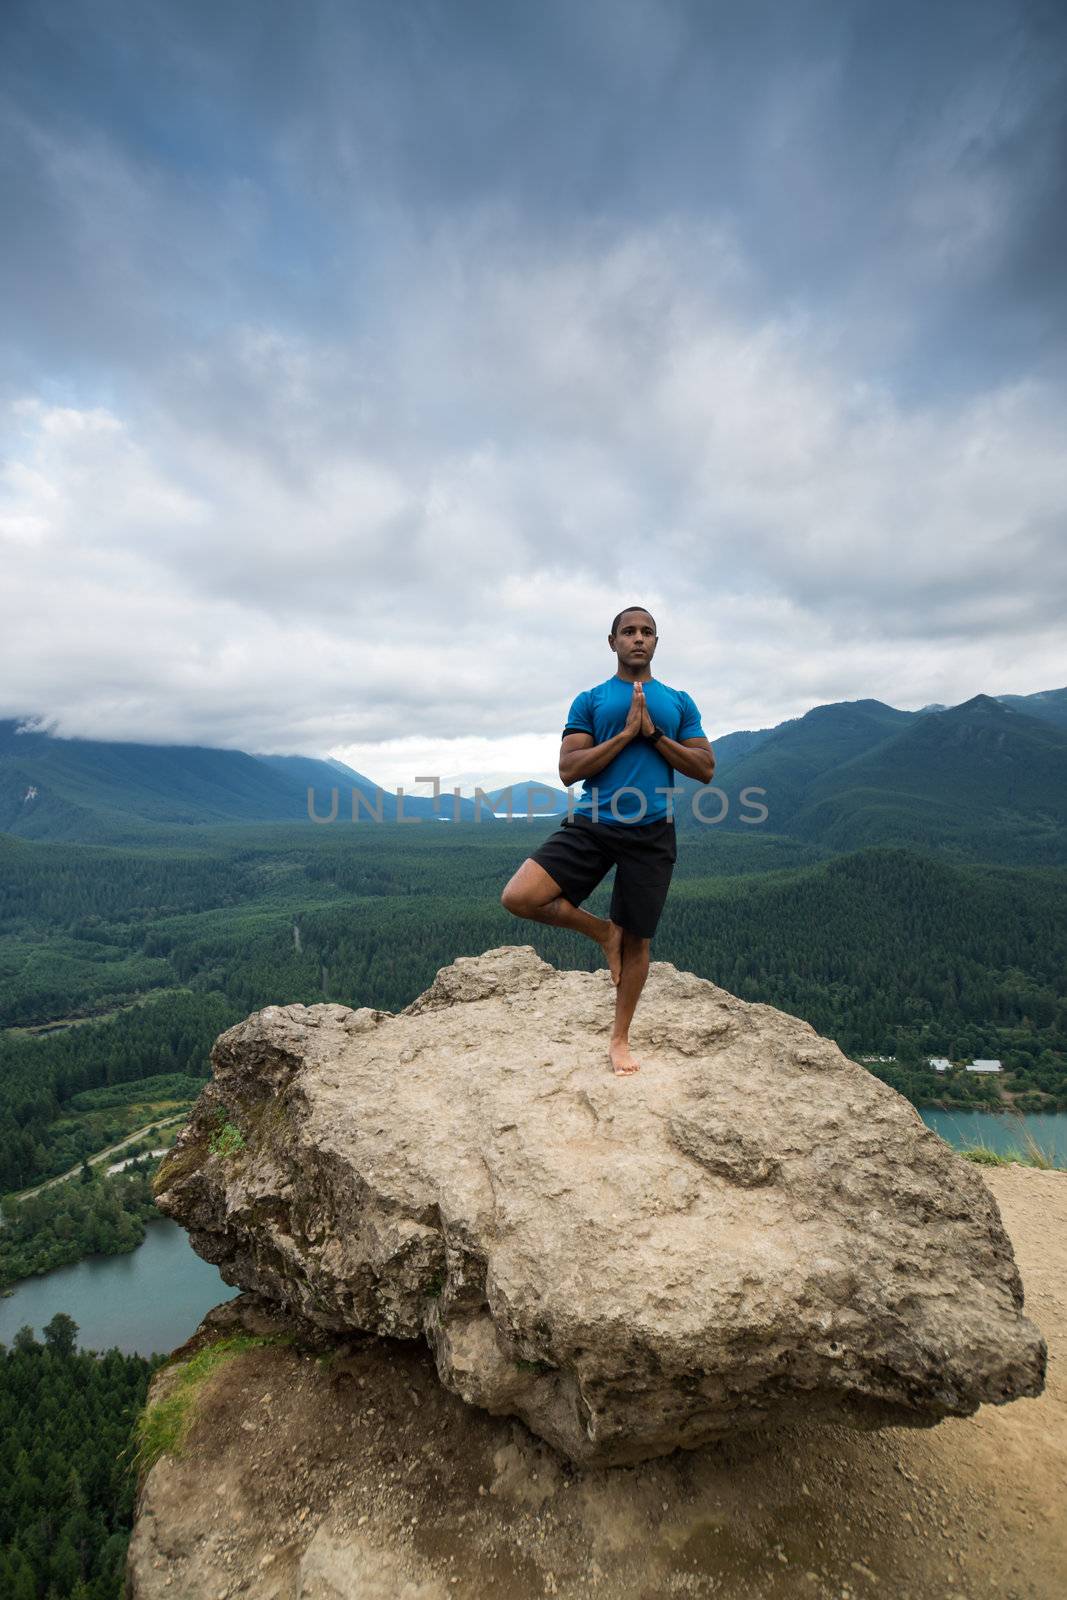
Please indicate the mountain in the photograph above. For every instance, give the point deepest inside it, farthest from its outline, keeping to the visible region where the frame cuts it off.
(981, 780)
(530, 798)
(789, 758)
(109, 791)
(730, 747)
(987, 778)
(1049, 705)
(322, 777)
(89, 789)
(981, 777)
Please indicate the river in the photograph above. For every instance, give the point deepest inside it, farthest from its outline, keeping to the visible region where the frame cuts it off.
(152, 1299)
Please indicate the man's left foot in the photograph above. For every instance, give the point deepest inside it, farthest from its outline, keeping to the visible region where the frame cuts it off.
(613, 951)
(622, 1058)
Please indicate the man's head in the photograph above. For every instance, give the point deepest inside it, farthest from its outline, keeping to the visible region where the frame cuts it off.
(633, 638)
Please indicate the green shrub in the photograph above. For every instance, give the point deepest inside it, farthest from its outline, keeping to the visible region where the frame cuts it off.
(227, 1138)
(984, 1156)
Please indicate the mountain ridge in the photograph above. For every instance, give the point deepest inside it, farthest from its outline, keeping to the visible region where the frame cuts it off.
(984, 775)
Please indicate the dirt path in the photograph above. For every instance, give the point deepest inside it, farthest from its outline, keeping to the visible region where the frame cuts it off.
(361, 1475)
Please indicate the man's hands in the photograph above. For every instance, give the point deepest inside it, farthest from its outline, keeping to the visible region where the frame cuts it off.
(580, 758)
(637, 719)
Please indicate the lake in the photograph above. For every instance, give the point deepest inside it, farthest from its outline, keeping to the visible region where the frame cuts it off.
(151, 1300)
(146, 1302)
(1001, 1133)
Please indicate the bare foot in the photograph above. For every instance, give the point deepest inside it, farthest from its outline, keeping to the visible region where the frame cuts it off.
(621, 1058)
(611, 944)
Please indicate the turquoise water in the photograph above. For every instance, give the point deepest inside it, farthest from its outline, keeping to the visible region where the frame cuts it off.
(146, 1302)
(1001, 1133)
(152, 1299)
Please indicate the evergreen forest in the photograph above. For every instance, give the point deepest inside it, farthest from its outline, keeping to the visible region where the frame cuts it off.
(66, 1479)
(888, 950)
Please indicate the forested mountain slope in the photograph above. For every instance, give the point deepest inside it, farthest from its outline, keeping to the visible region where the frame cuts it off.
(95, 789)
(981, 776)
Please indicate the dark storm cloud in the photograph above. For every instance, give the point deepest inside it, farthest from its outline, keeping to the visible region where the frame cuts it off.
(166, 160)
(340, 337)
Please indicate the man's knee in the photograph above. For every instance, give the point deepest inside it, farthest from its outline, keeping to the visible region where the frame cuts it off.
(509, 899)
(514, 900)
(635, 952)
(528, 890)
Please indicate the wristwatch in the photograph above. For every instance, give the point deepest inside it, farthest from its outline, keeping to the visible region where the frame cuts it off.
(655, 736)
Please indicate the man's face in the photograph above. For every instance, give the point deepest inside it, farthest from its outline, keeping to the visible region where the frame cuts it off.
(634, 641)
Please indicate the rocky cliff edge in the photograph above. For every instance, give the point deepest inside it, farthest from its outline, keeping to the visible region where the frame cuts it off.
(752, 1230)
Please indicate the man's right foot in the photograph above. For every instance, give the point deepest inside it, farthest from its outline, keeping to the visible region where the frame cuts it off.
(622, 1058)
(611, 944)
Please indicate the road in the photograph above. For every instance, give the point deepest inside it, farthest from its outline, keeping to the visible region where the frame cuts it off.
(102, 1155)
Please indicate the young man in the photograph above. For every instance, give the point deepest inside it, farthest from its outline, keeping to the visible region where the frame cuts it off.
(632, 733)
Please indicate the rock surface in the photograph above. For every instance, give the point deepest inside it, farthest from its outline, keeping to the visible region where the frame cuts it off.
(751, 1229)
(334, 1467)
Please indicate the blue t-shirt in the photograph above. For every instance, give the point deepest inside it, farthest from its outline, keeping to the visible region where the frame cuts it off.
(638, 766)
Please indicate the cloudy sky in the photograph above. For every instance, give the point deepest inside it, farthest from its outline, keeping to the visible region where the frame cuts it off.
(361, 359)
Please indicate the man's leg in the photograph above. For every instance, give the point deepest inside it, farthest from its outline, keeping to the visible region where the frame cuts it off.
(642, 877)
(532, 893)
(634, 972)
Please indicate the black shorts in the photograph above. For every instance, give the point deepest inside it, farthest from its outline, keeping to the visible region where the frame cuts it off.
(643, 854)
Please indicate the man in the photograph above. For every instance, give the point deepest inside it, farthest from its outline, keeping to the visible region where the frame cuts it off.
(632, 733)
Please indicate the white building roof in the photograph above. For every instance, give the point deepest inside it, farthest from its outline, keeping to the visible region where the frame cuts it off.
(985, 1066)
(940, 1063)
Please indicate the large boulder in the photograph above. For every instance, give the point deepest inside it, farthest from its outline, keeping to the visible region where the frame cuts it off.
(751, 1228)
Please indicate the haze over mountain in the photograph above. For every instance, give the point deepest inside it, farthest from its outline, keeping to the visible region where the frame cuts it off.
(95, 790)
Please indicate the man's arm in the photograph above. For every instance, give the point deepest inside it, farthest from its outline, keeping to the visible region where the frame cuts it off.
(580, 758)
(693, 758)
